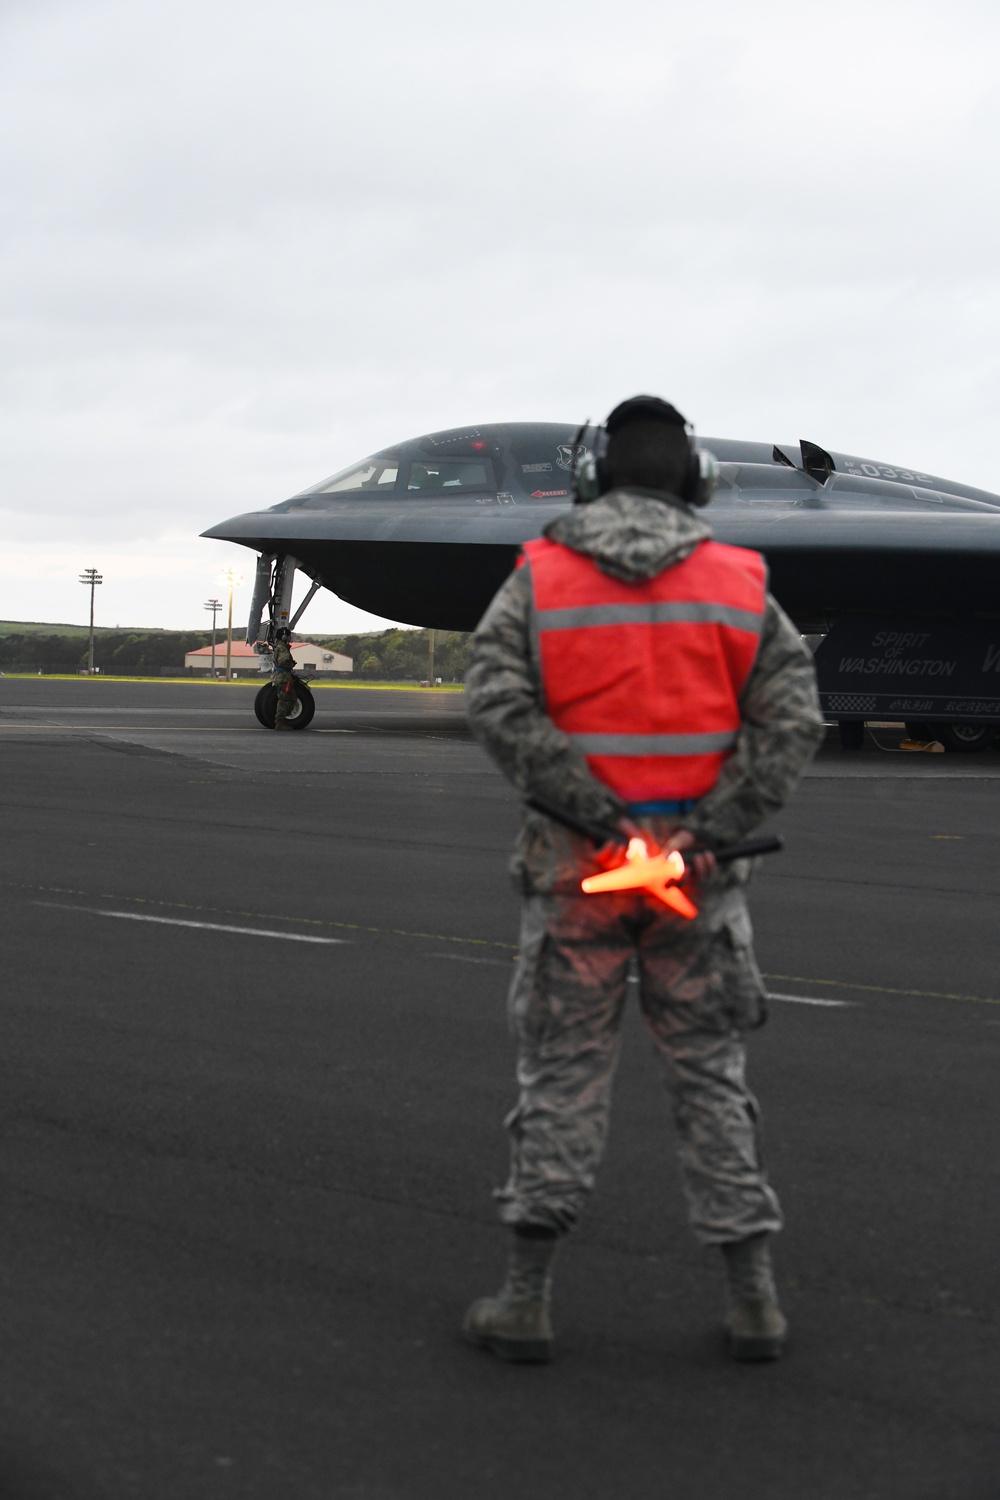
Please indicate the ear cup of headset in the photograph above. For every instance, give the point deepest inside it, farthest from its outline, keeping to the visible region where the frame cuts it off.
(601, 475)
(591, 479)
(702, 476)
(590, 470)
(584, 477)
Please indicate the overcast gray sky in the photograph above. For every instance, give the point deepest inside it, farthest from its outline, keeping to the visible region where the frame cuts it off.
(246, 244)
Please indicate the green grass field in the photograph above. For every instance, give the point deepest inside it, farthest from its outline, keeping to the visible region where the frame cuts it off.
(364, 687)
(38, 627)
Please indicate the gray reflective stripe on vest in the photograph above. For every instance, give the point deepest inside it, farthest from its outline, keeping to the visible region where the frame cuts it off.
(657, 613)
(654, 744)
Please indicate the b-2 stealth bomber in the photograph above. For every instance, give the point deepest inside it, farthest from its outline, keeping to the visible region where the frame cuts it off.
(897, 570)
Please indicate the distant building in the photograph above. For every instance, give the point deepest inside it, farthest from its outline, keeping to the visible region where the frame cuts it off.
(310, 659)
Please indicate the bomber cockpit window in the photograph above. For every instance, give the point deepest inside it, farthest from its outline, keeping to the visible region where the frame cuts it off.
(374, 476)
(448, 475)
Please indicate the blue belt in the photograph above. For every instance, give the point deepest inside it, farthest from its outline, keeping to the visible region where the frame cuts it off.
(664, 807)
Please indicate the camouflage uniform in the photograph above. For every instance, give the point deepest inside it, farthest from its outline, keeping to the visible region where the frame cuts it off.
(699, 985)
(282, 679)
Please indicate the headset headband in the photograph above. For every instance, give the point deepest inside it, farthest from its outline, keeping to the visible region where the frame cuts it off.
(590, 472)
(649, 408)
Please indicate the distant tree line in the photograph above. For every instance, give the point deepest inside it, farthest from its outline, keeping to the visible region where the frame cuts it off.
(404, 655)
(142, 652)
(393, 655)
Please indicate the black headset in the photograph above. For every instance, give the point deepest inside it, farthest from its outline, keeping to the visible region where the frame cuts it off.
(589, 465)
(591, 479)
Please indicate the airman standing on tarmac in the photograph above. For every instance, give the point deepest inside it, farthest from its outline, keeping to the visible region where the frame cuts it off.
(283, 680)
(634, 671)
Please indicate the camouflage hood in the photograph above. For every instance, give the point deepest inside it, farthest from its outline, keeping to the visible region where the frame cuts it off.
(631, 533)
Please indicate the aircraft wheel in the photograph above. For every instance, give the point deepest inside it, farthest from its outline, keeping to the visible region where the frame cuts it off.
(963, 737)
(301, 716)
(851, 733)
(263, 706)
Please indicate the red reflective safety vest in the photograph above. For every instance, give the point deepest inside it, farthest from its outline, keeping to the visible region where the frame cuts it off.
(646, 677)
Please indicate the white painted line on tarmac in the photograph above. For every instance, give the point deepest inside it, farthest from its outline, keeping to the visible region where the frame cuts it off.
(135, 916)
(633, 979)
(809, 1000)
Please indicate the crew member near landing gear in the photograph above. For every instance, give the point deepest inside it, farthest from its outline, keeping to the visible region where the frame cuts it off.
(634, 671)
(283, 681)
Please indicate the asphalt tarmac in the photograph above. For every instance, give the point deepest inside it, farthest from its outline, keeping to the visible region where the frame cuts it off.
(253, 1070)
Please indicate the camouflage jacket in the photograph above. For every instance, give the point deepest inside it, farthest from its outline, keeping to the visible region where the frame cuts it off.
(632, 534)
(284, 661)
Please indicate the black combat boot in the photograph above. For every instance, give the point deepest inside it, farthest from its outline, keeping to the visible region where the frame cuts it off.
(515, 1323)
(755, 1325)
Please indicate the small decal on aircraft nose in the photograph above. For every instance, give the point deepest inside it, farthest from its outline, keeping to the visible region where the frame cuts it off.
(568, 453)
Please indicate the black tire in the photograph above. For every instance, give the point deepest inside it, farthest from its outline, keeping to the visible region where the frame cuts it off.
(301, 716)
(965, 738)
(851, 733)
(263, 706)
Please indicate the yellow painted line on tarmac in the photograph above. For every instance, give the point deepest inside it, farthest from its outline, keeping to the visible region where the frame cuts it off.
(883, 989)
(257, 916)
(141, 728)
(468, 942)
(250, 681)
(170, 728)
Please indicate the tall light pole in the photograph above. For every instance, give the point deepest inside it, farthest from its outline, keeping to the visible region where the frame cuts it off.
(214, 605)
(91, 579)
(232, 580)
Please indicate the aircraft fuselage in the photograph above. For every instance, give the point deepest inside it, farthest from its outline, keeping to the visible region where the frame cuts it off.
(426, 531)
(428, 536)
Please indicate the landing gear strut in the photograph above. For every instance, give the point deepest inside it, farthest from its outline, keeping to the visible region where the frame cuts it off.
(273, 594)
(851, 733)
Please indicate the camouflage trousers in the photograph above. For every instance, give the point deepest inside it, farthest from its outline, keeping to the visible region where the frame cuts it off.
(699, 989)
(287, 700)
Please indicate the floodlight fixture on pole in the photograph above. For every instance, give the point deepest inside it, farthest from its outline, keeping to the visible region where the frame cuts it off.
(91, 579)
(214, 605)
(232, 580)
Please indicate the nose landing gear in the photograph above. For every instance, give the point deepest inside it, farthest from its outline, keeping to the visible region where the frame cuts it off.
(273, 593)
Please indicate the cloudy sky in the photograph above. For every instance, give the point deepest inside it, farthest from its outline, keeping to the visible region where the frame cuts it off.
(245, 244)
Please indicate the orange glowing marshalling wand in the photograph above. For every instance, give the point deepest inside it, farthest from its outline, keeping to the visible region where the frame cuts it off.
(657, 874)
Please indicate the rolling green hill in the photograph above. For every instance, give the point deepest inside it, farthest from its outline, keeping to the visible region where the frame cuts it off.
(37, 627)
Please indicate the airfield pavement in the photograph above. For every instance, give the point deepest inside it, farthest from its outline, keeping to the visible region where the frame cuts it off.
(254, 1067)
